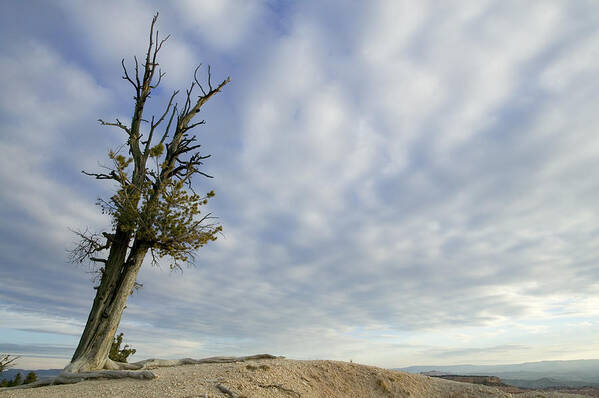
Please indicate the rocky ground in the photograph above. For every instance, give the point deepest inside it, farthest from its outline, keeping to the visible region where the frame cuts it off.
(275, 378)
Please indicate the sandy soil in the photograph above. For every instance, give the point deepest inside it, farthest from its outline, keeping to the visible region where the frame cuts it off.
(274, 378)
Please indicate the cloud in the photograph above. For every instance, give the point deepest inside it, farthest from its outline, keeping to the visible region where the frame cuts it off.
(52, 351)
(128, 32)
(224, 24)
(38, 322)
(488, 351)
(44, 102)
(388, 169)
(44, 95)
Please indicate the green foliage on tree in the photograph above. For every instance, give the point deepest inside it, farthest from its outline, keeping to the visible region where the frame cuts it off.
(18, 380)
(30, 378)
(164, 211)
(117, 353)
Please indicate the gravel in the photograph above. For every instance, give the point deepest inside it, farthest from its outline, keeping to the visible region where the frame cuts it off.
(274, 378)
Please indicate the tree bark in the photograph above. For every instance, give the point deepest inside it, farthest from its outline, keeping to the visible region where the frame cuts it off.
(117, 282)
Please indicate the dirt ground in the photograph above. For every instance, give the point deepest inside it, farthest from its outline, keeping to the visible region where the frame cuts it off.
(274, 378)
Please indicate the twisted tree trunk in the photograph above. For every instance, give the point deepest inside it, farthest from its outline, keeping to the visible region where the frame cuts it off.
(120, 269)
(118, 280)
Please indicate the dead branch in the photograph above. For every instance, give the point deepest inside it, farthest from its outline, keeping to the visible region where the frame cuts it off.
(195, 78)
(137, 73)
(195, 125)
(151, 64)
(189, 112)
(168, 127)
(153, 125)
(126, 77)
(117, 124)
(280, 387)
(88, 245)
(102, 176)
(225, 390)
(159, 363)
(72, 378)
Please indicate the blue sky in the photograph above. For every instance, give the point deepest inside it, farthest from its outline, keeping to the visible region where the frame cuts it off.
(400, 183)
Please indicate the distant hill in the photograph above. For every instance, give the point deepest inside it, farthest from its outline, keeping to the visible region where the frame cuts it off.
(548, 382)
(9, 374)
(529, 375)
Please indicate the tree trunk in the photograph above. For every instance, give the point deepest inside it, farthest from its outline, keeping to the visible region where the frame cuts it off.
(117, 282)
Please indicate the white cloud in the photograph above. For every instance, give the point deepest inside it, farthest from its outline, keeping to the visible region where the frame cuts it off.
(43, 323)
(112, 29)
(223, 24)
(426, 175)
(45, 95)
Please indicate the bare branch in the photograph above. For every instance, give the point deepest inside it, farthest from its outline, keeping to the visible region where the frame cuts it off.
(88, 244)
(160, 76)
(154, 47)
(101, 176)
(154, 257)
(187, 105)
(203, 174)
(170, 102)
(148, 54)
(168, 126)
(126, 77)
(186, 149)
(188, 168)
(154, 125)
(137, 74)
(194, 125)
(160, 45)
(117, 124)
(157, 48)
(195, 78)
(190, 113)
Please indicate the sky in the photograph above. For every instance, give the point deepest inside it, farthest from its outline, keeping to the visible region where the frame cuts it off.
(400, 183)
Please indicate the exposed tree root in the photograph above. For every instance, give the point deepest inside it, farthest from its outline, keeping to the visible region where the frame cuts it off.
(72, 378)
(284, 389)
(136, 370)
(158, 363)
(225, 390)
